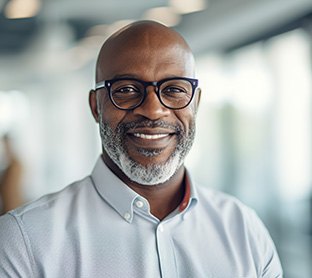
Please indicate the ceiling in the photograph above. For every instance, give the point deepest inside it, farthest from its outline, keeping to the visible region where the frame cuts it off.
(222, 25)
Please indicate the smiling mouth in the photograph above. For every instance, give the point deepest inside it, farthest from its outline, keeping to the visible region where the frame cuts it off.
(151, 139)
(150, 136)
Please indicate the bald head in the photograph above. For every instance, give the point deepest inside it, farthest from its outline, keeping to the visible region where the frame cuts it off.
(147, 40)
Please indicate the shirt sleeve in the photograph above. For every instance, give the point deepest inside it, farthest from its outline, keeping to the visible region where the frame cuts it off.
(269, 262)
(15, 256)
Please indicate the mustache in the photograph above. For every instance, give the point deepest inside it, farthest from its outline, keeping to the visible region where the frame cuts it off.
(124, 127)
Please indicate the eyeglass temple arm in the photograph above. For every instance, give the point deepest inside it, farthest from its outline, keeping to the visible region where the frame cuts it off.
(100, 85)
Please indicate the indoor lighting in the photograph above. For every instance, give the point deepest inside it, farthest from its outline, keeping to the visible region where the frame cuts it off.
(164, 15)
(188, 6)
(22, 8)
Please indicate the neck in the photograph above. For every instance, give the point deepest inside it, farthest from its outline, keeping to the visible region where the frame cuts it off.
(163, 198)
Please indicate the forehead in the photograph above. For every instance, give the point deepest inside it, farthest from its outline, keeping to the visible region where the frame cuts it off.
(148, 63)
(148, 55)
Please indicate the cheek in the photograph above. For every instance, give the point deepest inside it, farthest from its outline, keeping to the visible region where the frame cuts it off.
(186, 116)
(110, 114)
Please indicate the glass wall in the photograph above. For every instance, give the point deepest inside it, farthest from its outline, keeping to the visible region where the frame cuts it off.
(254, 136)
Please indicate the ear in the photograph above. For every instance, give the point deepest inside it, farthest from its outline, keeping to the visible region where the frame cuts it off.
(93, 105)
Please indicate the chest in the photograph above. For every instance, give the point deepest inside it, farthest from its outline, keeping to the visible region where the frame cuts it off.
(112, 247)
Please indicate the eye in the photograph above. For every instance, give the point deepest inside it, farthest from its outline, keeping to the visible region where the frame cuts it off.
(126, 90)
(173, 90)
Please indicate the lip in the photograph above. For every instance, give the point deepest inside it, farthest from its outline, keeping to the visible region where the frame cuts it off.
(151, 130)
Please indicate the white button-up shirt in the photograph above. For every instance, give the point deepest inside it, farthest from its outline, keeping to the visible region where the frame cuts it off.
(99, 227)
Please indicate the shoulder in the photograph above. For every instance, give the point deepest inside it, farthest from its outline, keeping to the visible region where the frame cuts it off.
(21, 228)
(40, 215)
(16, 258)
(229, 210)
(230, 215)
(57, 200)
(221, 202)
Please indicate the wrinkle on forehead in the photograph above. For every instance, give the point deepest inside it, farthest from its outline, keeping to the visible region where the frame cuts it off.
(141, 38)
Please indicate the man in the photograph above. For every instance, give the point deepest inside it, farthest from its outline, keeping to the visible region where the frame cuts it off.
(139, 214)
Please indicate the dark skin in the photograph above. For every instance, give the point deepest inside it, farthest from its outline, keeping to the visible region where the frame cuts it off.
(148, 51)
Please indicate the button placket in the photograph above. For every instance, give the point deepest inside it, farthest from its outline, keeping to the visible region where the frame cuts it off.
(165, 251)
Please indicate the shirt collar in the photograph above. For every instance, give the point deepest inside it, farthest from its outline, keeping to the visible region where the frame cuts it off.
(190, 196)
(113, 190)
(121, 197)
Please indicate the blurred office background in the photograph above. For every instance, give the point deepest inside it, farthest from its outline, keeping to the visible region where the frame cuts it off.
(254, 124)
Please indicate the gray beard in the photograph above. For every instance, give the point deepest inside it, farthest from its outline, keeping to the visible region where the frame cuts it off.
(152, 174)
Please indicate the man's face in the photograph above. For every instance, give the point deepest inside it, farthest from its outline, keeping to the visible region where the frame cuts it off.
(148, 143)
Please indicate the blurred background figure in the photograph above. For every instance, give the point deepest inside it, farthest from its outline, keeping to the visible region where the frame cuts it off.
(10, 178)
(255, 119)
(13, 114)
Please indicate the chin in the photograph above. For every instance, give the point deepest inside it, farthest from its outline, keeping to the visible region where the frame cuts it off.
(151, 171)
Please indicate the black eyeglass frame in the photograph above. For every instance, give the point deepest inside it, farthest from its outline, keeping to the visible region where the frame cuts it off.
(108, 85)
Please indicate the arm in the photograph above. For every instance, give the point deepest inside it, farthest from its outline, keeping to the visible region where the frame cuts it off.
(263, 246)
(14, 252)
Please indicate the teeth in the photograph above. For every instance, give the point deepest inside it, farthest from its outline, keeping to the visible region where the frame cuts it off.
(150, 136)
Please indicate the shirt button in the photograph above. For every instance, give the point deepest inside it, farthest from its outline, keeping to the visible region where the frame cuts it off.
(127, 216)
(139, 204)
(161, 228)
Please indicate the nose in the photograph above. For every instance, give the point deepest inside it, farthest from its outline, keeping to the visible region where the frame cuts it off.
(151, 108)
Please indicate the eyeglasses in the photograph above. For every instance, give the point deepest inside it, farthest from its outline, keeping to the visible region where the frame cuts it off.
(129, 93)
